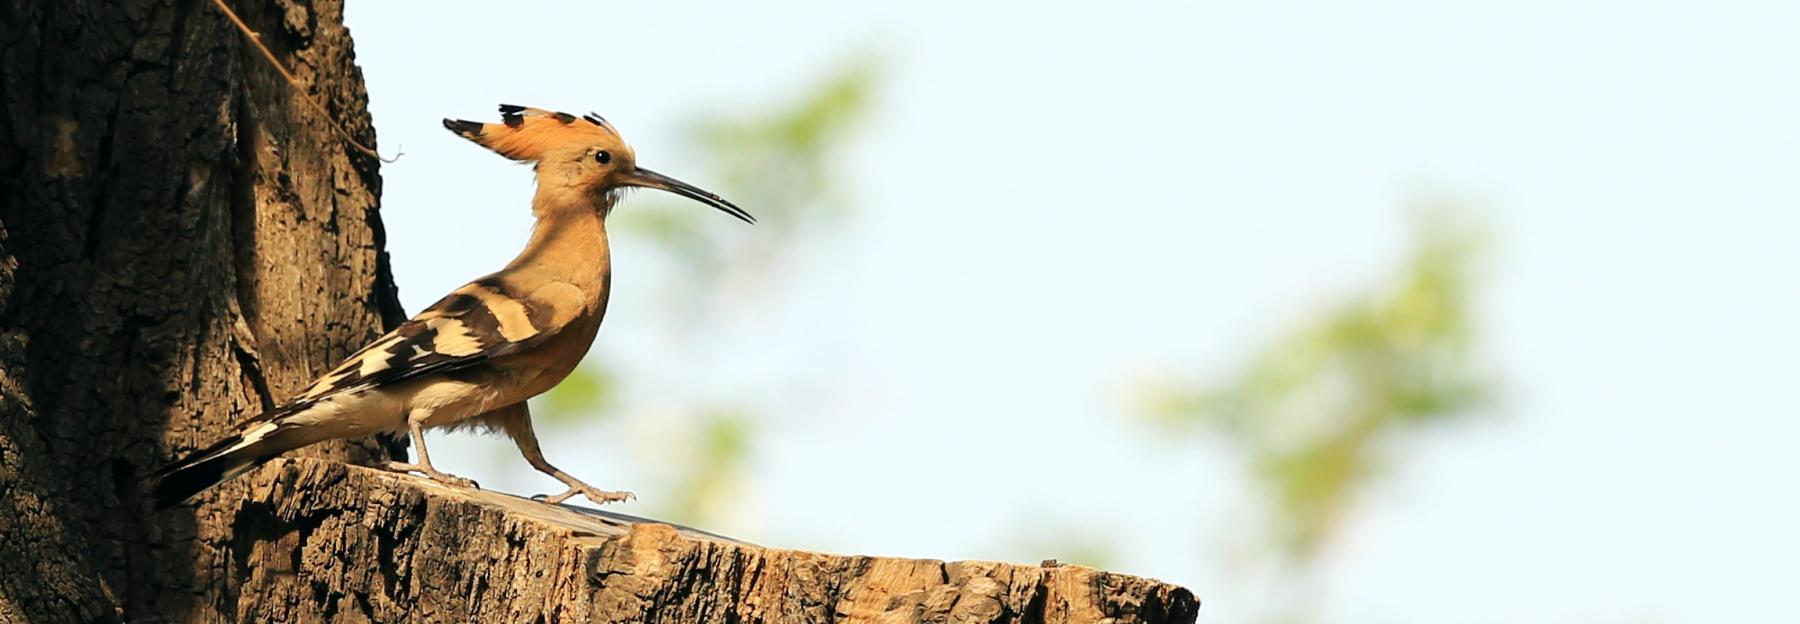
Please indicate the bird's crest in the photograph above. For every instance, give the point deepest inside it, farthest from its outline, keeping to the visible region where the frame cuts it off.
(527, 134)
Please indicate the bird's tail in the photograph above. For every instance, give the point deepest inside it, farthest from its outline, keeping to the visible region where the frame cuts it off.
(235, 455)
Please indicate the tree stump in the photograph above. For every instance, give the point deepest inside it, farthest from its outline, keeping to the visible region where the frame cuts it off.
(323, 541)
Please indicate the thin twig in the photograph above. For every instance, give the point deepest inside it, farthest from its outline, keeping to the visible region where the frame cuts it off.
(256, 39)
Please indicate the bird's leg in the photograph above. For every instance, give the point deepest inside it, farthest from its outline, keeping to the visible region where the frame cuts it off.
(518, 427)
(424, 465)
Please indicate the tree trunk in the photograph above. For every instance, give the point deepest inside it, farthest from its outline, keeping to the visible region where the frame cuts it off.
(184, 242)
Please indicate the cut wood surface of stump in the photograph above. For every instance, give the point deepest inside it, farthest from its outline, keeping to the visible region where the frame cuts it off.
(323, 541)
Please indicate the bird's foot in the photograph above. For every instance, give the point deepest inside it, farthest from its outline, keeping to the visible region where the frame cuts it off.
(599, 496)
(431, 473)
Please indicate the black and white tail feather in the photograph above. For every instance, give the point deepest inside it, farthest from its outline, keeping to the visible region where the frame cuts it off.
(257, 442)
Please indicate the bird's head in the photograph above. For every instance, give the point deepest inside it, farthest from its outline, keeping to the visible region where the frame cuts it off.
(576, 157)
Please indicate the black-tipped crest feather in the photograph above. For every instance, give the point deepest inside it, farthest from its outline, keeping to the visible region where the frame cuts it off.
(466, 128)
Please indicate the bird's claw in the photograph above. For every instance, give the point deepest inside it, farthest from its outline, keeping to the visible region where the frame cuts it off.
(431, 473)
(598, 496)
(453, 480)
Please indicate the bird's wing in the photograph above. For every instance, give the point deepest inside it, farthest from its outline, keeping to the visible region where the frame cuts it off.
(476, 323)
(481, 321)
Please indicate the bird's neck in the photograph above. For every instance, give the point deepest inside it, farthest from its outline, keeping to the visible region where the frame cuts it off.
(568, 243)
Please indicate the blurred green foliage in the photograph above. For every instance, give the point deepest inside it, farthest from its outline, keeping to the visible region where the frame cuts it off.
(781, 164)
(589, 391)
(706, 485)
(1318, 413)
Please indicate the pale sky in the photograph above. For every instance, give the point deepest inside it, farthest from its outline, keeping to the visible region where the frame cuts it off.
(1053, 200)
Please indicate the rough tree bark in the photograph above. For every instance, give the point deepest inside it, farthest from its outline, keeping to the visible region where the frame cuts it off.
(182, 242)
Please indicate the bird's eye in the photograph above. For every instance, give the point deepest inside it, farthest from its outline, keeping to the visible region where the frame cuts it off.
(602, 157)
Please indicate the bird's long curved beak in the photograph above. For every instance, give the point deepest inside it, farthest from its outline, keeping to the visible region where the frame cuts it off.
(651, 179)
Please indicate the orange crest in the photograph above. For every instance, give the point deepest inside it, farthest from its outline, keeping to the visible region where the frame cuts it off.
(526, 133)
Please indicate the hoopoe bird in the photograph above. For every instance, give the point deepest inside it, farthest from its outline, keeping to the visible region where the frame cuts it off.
(475, 356)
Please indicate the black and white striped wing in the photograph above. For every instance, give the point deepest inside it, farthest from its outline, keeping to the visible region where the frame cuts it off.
(476, 323)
